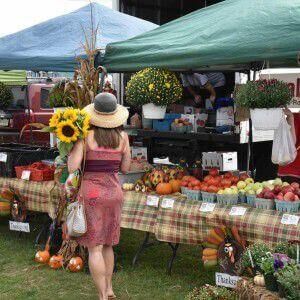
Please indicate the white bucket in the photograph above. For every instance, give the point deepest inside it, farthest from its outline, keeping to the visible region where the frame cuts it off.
(266, 118)
(152, 111)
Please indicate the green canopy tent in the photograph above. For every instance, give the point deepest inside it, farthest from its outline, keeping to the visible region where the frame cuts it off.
(231, 35)
(13, 77)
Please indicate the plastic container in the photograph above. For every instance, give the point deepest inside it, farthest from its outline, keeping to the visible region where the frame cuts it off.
(266, 118)
(130, 177)
(250, 199)
(161, 125)
(182, 129)
(152, 111)
(264, 203)
(287, 206)
(184, 190)
(208, 197)
(227, 199)
(193, 195)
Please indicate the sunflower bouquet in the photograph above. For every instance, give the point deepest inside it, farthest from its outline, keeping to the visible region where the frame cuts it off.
(69, 126)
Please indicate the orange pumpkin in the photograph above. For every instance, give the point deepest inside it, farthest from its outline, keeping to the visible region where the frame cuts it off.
(164, 189)
(75, 264)
(176, 185)
(56, 262)
(42, 257)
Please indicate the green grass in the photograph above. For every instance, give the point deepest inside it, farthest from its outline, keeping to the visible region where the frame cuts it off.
(22, 278)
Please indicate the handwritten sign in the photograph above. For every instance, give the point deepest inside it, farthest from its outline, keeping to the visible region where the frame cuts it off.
(223, 279)
(237, 211)
(167, 203)
(207, 207)
(19, 226)
(25, 175)
(288, 219)
(152, 200)
(3, 157)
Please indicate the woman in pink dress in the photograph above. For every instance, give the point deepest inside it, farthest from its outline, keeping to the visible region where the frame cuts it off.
(107, 152)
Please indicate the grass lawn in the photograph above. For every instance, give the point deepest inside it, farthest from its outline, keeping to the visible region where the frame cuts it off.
(22, 278)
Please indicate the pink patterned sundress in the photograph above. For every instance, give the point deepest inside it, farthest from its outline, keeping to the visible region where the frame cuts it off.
(103, 197)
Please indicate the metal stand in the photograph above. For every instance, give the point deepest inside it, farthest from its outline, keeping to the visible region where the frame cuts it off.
(147, 244)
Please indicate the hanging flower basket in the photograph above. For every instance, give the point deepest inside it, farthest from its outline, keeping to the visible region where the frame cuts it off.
(152, 111)
(266, 118)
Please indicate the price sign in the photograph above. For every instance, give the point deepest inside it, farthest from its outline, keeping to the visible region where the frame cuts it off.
(25, 175)
(290, 219)
(207, 207)
(3, 157)
(237, 211)
(223, 279)
(167, 203)
(19, 226)
(152, 200)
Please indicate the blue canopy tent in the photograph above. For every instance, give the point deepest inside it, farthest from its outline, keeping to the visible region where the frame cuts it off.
(54, 45)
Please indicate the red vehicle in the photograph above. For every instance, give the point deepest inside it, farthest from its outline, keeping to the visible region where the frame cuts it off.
(30, 105)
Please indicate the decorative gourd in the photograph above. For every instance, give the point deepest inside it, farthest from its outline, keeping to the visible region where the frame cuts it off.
(43, 256)
(259, 280)
(75, 264)
(176, 185)
(56, 262)
(164, 189)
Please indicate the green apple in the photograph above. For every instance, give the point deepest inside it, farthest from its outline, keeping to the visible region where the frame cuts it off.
(234, 191)
(277, 181)
(220, 192)
(228, 191)
(249, 187)
(242, 191)
(257, 185)
(285, 184)
(259, 191)
(241, 185)
(249, 180)
(250, 192)
(271, 181)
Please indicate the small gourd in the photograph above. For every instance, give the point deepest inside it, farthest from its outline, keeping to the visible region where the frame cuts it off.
(75, 264)
(259, 280)
(43, 256)
(56, 262)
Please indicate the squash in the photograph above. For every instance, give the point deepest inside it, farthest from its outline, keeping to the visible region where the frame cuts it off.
(209, 257)
(56, 262)
(43, 256)
(209, 245)
(208, 264)
(212, 240)
(164, 189)
(259, 280)
(213, 234)
(75, 264)
(208, 252)
(176, 185)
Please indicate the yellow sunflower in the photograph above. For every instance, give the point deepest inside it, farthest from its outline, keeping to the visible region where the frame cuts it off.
(86, 125)
(67, 132)
(71, 114)
(54, 120)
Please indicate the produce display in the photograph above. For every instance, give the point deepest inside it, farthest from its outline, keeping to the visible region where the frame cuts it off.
(181, 125)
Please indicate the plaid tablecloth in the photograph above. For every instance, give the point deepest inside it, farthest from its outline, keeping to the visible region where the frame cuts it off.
(185, 224)
(39, 196)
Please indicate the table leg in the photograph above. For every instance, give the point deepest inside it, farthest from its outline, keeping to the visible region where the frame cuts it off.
(174, 252)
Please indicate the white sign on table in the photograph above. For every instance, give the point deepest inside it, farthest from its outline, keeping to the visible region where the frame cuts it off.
(237, 211)
(207, 207)
(223, 279)
(3, 157)
(152, 200)
(19, 226)
(288, 219)
(25, 175)
(167, 203)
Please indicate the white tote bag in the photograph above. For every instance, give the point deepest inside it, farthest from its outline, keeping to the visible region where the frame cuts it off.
(284, 150)
(76, 220)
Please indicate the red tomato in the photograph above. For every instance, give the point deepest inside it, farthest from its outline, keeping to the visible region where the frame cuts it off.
(244, 176)
(207, 178)
(218, 178)
(212, 189)
(184, 183)
(214, 182)
(195, 182)
(197, 188)
(228, 175)
(214, 172)
(204, 188)
(234, 179)
(226, 182)
(190, 185)
(187, 178)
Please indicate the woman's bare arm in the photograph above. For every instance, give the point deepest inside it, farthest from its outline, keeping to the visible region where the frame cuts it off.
(126, 158)
(75, 157)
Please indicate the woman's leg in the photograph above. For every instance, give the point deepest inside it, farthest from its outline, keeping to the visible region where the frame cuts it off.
(98, 270)
(109, 259)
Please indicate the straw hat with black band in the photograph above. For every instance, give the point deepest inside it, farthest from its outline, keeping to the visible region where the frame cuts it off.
(105, 112)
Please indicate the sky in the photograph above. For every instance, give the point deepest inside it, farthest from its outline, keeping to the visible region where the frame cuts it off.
(16, 15)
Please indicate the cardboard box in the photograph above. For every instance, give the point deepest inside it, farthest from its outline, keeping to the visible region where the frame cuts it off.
(225, 116)
(224, 161)
(200, 121)
(139, 153)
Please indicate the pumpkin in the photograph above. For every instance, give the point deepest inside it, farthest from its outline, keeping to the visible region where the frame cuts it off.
(56, 262)
(75, 264)
(259, 280)
(164, 189)
(42, 257)
(4, 208)
(176, 185)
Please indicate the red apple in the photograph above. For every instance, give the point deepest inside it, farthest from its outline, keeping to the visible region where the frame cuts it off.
(244, 176)
(287, 189)
(289, 196)
(295, 185)
(279, 196)
(260, 195)
(296, 198)
(269, 195)
(266, 189)
(277, 189)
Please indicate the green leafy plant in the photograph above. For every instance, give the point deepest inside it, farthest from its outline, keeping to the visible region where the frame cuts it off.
(59, 96)
(289, 279)
(6, 95)
(267, 265)
(286, 248)
(151, 85)
(209, 292)
(263, 94)
(258, 252)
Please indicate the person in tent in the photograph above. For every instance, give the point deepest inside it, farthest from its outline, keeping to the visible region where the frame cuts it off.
(291, 172)
(201, 86)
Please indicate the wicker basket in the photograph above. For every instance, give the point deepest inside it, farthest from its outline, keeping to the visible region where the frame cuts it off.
(250, 199)
(287, 206)
(193, 195)
(227, 199)
(208, 197)
(264, 203)
(36, 174)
